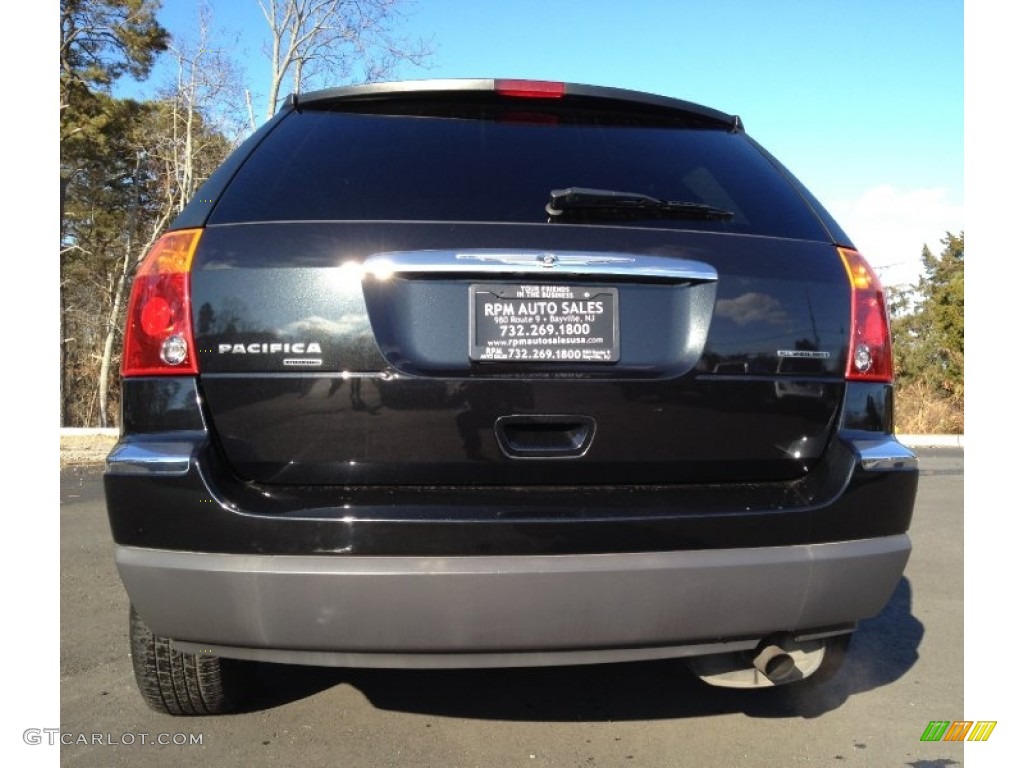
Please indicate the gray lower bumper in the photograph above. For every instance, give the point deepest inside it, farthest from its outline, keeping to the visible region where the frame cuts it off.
(504, 611)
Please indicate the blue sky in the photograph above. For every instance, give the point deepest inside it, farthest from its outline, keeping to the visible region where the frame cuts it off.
(863, 101)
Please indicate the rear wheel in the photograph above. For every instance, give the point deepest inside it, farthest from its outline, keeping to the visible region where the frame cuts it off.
(178, 683)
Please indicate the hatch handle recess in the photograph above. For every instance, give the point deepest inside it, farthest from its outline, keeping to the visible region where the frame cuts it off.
(547, 436)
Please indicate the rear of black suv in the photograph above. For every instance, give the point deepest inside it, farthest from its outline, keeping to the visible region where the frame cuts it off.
(500, 373)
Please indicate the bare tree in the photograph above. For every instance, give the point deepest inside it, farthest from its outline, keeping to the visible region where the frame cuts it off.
(194, 124)
(100, 41)
(343, 40)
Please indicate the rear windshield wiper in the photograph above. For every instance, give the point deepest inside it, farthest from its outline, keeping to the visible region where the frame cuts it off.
(582, 203)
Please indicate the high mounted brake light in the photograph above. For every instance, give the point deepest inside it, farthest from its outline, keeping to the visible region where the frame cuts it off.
(870, 357)
(158, 338)
(529, 89)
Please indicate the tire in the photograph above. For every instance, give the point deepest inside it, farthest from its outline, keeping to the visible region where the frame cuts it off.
(178, 683)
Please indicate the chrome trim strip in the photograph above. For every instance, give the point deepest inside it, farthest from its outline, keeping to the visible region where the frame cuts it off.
(550, 264)
(150, 458)
(885, 455)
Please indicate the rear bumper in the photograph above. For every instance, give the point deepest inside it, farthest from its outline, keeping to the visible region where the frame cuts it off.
(506, 610)
(174, 492)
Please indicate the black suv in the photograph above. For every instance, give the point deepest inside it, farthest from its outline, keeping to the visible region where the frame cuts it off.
(501, 373)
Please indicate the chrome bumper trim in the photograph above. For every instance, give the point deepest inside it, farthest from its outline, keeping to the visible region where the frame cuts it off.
(150, 458)
(885, 455)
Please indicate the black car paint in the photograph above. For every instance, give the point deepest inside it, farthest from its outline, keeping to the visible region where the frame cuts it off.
(663, 414)
(211, 509)
(735, 419)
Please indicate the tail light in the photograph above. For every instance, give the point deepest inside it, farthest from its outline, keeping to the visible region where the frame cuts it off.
(870, 356)
(158, 337)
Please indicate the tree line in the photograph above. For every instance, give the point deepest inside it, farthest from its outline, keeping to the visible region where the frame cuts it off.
(128, 166)
(928, 343)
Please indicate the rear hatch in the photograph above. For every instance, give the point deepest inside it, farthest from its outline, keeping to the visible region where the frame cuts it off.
(388, 292)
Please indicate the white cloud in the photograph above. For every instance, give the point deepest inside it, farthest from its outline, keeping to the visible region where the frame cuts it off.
(890, 226)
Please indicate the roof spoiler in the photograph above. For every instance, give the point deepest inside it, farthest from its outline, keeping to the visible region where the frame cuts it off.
(509, 89)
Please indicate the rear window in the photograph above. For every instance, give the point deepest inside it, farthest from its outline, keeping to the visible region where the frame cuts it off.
(500, 166)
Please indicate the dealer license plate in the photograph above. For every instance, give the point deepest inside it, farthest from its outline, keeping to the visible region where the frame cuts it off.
(543, 323)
